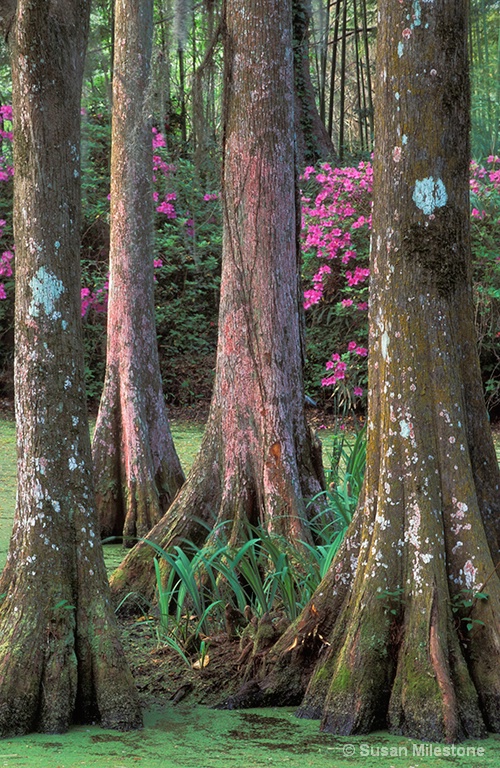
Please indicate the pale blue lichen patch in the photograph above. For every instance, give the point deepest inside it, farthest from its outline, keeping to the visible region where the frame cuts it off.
(429, 194)
(417, 14)
(400, 49)
(405, 429)
(46, 290)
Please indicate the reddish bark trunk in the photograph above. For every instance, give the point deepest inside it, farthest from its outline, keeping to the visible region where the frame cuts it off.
(60, 656)
(394, 651)
(137, 470)
(258, 462)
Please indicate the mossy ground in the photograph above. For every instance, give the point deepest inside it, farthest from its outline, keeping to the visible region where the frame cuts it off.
(191, 734)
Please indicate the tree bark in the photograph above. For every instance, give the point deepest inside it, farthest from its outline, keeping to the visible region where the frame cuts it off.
(60, 655)
(394, 652)
(258, 462)
(313, 140)
(137, 470)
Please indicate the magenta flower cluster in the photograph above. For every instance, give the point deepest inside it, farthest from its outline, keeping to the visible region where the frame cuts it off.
(165, 206)
(338, 366)
(335, 213)
(482, 179)
(97, 299)
(330, 221)
(336, 225)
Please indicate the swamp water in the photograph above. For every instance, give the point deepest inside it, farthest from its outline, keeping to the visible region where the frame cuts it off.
(197, 737)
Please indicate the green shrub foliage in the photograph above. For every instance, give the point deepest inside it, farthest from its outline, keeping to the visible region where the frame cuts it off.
(336, 223)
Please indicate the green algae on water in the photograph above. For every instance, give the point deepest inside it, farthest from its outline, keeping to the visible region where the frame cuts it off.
(197, 737)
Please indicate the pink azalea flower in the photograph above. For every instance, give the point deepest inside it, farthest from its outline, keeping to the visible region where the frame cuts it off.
(307, 173)
(6, 112)
(168, 209)
(329, 381)
(359, 276)
(5, 266)
(158, 139)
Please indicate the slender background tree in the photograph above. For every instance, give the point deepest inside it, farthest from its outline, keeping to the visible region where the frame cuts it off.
(136, 467)
(313, 141)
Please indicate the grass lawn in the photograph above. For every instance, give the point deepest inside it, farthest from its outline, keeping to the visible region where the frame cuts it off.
(7, 483)
(187, 437)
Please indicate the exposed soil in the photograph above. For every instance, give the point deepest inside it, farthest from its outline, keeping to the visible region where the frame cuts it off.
(162, 676)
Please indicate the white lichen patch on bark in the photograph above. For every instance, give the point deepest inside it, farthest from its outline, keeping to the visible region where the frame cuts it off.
(46, 289)
(470, 573)
(429, 194)
(384, 344)
(405, 430)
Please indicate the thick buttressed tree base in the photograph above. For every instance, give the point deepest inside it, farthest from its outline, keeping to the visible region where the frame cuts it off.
(61, 661)
(136, 468)
(405, 628)
(60, 656)
(259, 462)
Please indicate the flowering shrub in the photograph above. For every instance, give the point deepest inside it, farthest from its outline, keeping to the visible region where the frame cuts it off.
(6, 250)
(5, 266)
(187, 269)
(335, 232)
(336, 222)
(6, 173)
(188, 247)
(98, 300)
(485, 231)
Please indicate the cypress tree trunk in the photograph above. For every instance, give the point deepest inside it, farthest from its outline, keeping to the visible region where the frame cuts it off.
(258, 461)
(394, 651)
(313, 141)
(60, 655)
(137, 470)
